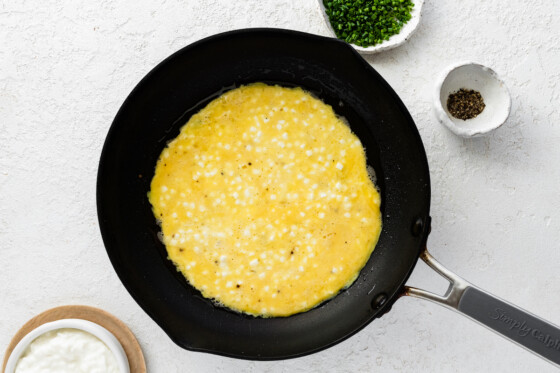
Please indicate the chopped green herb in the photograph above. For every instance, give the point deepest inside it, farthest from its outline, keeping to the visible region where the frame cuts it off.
(367, 22)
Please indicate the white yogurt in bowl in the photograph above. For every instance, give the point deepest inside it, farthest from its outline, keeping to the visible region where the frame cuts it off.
(68, 345)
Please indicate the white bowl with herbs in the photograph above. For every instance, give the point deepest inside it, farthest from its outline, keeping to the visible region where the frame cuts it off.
(372, 26)
(471, 100)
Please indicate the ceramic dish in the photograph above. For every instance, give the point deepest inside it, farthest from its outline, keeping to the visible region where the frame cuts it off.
(98, 316)
(470, 75)
(394, 41)
(98, 331)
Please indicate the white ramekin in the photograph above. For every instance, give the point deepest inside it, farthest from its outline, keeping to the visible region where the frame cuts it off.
(471, 75)
(100, 332)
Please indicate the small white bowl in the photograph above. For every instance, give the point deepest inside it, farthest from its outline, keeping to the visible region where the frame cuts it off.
(100, 332)
(470, 75)
(394, 41)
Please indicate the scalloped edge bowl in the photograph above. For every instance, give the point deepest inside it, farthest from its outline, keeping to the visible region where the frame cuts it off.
(394, 41)
(472, 75)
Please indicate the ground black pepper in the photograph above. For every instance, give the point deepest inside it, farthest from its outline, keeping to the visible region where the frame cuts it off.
(465, 104)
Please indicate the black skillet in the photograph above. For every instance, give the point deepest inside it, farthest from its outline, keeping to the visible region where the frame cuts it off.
(184, 83)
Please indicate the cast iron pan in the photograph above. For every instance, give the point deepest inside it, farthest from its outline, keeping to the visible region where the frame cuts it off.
(183, 84)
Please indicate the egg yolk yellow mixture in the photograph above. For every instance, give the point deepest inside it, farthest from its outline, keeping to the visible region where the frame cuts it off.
(265, 202)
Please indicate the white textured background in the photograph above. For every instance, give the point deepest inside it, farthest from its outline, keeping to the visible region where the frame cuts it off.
(66, 67)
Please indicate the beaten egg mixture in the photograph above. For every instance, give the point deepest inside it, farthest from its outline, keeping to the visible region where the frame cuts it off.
(265, 202)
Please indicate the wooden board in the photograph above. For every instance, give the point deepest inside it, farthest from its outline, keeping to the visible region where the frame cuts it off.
(96, 315)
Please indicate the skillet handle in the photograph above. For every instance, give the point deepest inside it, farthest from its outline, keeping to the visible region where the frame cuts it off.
(519, 326)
